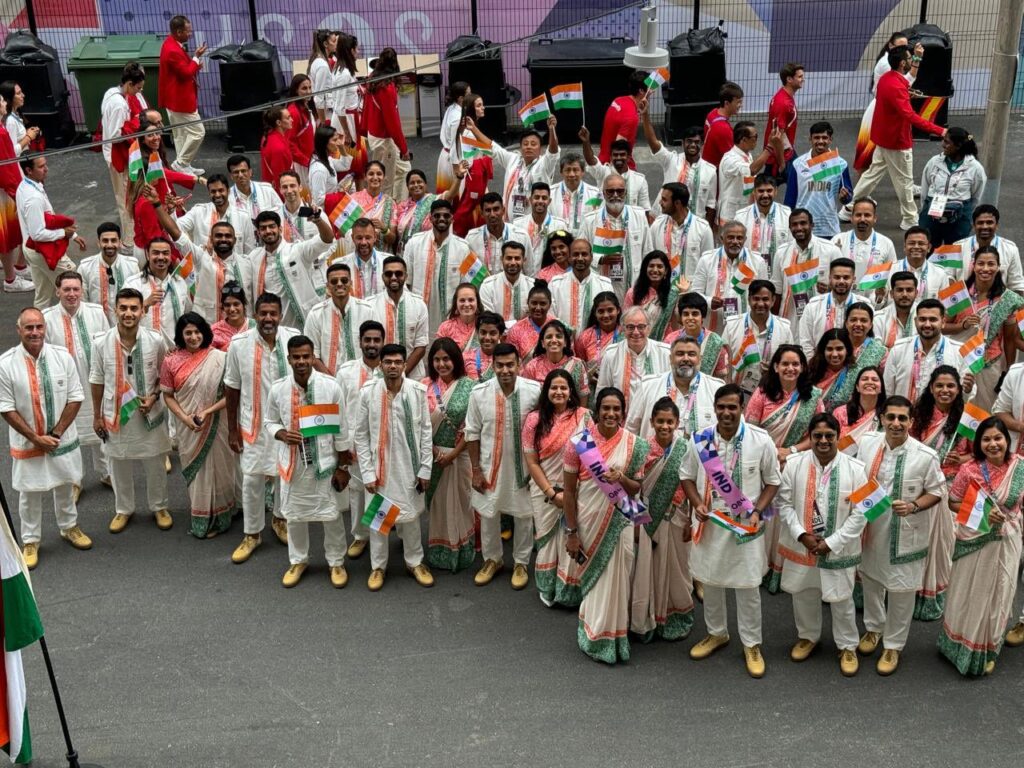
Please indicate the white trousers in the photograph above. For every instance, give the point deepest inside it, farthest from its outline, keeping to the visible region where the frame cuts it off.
(123, 479)
(893, 622)
(357, 506)
(99, 458)
(899, 165)
(412, 546)
(522, 539)
(748, 613)
(44, 277)
(30, 510)
(187, 138)
(119, 183)
(386, 151)
(807, 615)
(254, 502)
(334, 542)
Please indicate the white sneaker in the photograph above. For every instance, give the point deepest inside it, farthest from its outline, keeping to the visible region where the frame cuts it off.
(19, 285)
(187, 169)
(846, 213)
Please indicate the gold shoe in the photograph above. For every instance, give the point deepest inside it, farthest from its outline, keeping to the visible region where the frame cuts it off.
(356, 548)
(868, 643)
(802, 650)
(486, 574)
(1015, 636)
(163, 519)
(376, 580)
(990, 667)
(76, 537)
(848, 663)
(755, 661)
(280, 528)
(422, 575)
(119, 523)
(888, 662)
(707, 646)
(244, 550)
(520, 577)
(167, 464)
(31, 554)
(76, 493)
(293, 575)
(339, 576)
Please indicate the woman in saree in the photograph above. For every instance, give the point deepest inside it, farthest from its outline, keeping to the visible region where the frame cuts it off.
(782, 405)
(654, 292)
(830, 366)
(604, 327)
(979, 600)
(412, 215)
(378, 206)
(191, 379)
(863, 413)
(554, 352)
(452, 527)
(936, 418)
(546, 432)
(867, 350)
(460, 326)
(992, 310)
(555, 259)
(233, 302)
(525, 333)
(598, 535)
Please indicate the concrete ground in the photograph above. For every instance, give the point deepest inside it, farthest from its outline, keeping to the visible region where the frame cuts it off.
(169, 655)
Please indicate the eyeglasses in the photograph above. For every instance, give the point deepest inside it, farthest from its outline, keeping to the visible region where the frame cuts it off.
(615, 193)
(393, 273)
(110, 272)
(341, 281)
(636, 327)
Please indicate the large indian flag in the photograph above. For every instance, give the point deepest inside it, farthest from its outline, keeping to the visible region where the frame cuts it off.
(974, 509)
(21, 628)
(319, 419)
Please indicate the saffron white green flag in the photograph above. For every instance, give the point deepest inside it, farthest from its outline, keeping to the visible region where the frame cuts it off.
(568, 96)
(135, 164)
(970, 419)
(871, 499)
(535, 111)
(974, 509)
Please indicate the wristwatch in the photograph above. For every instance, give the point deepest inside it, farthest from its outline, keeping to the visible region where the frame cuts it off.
(915, 509)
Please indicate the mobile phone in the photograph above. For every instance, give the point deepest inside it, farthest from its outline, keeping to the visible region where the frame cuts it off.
(306, 212)
(581, 557)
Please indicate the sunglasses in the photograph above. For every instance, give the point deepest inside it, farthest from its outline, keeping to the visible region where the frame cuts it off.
(231, 290)
(393, 273)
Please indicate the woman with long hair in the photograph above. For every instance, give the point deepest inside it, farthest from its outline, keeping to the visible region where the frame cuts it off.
(936, 419)
(830, 366)
(986, 555)
(326, 165)
(604, 327)
(275, 148)
(16, 272)
(325, 42)
(862, 413)
(956, 174)
(300, 137)
(451, 125)
(378, 206)
(346, 94)
(654, 292)
(559, 416)
(234, 321)
(555, 259)
(460, 326)
(384, 135)
(21, 137)
(554, 352)
(192, 382)
(452, 527)
(525, 334)
(868, 351)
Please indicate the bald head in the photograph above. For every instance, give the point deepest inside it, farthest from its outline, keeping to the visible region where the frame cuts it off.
(31, 330)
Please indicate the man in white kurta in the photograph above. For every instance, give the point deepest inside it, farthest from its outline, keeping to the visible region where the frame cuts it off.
(828, 310)
(507, 292)
(637, 192)
(531, 163)
(917, 247)
(257, 358)
(1009, 405)
(686, 167)
(724, 275)
(198, 221)
(572, 197)
(985, 219)
(912, 360)
(249, 198)
(896, 542)
(494, 425)
(804, 253)
(767, 222)
(40, 394)
(693, 392)
(395, 450)
(625, 363)
(105, 273)
(487, 240)
(164, 294)
(895, 320)
(620, 235)
(535, 226)
(680, 233)
(314, 478)
(435, 263)
(573, 292)
(72, 324)
(768, 331)
(128, 412)
(333, 324)
(404, 316)
(865, 245)
(365, 262)
(820, 540)
(718, 559)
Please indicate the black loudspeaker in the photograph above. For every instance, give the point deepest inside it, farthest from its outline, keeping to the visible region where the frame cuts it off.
(935, 75)
(696, 66)
(595, 63)
(245, 132)
(249, 83)
(679, 117)
(482, 68)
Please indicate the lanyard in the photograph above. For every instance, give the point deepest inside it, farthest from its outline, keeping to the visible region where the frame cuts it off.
(874, 246)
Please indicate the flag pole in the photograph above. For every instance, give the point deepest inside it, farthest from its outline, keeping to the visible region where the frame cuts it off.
(583, 108)
(72, 756)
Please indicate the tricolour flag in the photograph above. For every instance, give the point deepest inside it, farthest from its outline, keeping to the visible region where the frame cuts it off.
(21, 628)
(155, 169)
(955, 298)
(473, 270)
(947, 257)
(381, 514)
(802, 276)
(1019, 314)
(973, 352)
(345, 213)
(970, 419)
(748, 186)
(657, 78)
(733, 526)
(748, 354)
(135, 164)
(128, 404)
(319, 419)
(535, 110)
(876, 276)
(871, 499)
(186, 270)
(472, 147)
(743, 278)
(568, 96)
(826, 165)
(609, 242)
(975, 508)
(846, 441)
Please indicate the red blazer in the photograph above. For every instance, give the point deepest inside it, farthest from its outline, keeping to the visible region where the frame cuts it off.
(300, 138)
(380, 115)
(621, 119)
(275, 157)
(178, 86)
(894, 117)
(147, 224)
(474, 187)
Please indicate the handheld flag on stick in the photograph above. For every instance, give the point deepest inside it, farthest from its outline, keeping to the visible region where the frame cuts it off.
(472, 270)
(155, 169)
(319, 420)
(947, 257)
(535, 111)
(872, 500)
(975, 509)
(345, 213)
(973, 352)
(970, 419)
(656, 79)
(825, 166)
(568, 96)
(955, 298)
(381, 514)
(135, 165)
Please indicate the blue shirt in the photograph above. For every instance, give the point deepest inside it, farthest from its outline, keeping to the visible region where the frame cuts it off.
(821, 198)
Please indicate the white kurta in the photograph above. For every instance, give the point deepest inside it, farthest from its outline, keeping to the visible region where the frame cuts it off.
(888, 328)
(487, 247)
(519, 177)
(1010, 399)
(506, 495)
(525, 230)
(335, 335)
(1009, 261)
(261, 197)
(162, 317)
(823, 313)
(98, 288)
(636, 245)
(792, 254)
(436, 283)
(696, 403)
(701, 179)
(767, 234)
(367, 274)
(930, 278)
(775, 333)
(900, 370)
(56, 384)
(572, 299)
(351, 376)
(624, 369)
(289, 272)
(733, 169)
(682, 242)
(637, 190)
(406, 323)
(875, 249)
(197, 223)
(509, 300)
(709, 283)
(75, 334)
(211, 273)
(571, 206)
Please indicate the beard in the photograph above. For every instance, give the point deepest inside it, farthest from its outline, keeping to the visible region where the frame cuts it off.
(685, 371)
(614, 208)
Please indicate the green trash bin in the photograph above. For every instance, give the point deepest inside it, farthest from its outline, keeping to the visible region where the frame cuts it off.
(98, 60)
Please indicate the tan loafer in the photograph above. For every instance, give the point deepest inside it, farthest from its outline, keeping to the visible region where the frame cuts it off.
(486, 574)
(422, 575)
(990, 667)
(356, 549)
(520, 577)
(888, 662)
(167, 464)
(119, 523)
(1015, 635)
(848, 662)
(280, 528)
(339, 576)
(163, 519)
(376, 581)
(244, 550)
(76, 537)
(754, 660)
(868, 643)
(31, 555)
(708, 646)
(293, 575)
(802, 650)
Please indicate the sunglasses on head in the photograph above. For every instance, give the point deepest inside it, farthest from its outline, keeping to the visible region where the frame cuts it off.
(231, 290)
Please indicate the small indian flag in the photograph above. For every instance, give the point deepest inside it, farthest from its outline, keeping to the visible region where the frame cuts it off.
(186, 270)
(135, 165)
(319, 419)
(381, 514)
(743, 278)
(733, 526)
(1019, 314)
(594, 202)
(970, 419)
(826, 165)
(871, 499)
(472, 270)
(749, 353)
(876, 276)
(947, 257)
(657, 78)
(568, 96)
(128, 404)
(973, 353)
(846, 441)
(345, 213)
(609, 242)
(802, 276)
(955, 298)
(748, 186)
(155, 169)
(535, 110)
(975, 509)
(472, 147)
